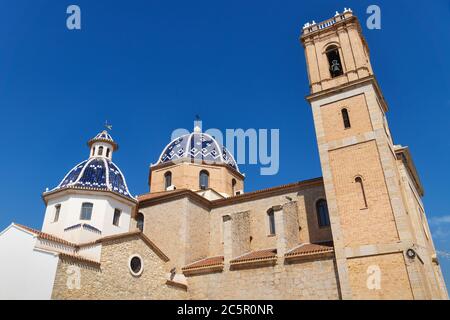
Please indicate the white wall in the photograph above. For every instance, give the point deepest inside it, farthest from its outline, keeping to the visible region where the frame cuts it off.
(102, 216)
(25, 273)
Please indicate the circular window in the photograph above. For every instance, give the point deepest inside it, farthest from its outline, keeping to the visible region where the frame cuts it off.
(135, 264)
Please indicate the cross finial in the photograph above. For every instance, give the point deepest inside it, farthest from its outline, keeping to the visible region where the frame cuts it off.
(197, 124)
(108, 126)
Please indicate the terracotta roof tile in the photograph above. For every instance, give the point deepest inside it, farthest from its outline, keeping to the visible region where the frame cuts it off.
(177, 284)
(262, 192)
(46, 236)
(49, 237)
(205, 263)
(138, 233)
(265, 254)
(144, 199)
(65, 256)
(151, 195)
(308, 249)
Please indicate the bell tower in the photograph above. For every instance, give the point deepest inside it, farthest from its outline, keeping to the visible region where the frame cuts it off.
(372, 221)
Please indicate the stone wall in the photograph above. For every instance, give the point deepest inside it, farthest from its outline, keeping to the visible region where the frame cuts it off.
(197, 233)
(259, 225)
(358, 113)
(393, 275)
(180, 228)
(291, 227)
(361, 225)
(240, 233)
(304, 280)
(113, 279)
(165, 224)
(186, 175)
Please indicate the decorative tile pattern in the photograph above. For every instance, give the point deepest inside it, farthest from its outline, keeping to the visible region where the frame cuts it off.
(98, 174)
(199, 147)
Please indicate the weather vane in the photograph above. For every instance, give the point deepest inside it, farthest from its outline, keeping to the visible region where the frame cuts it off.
(107, 125)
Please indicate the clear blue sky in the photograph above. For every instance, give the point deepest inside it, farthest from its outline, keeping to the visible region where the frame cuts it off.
(150, 66)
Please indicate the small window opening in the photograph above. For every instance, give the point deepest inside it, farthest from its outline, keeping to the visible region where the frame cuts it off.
(204, 179)
(271, 216)
(140, 221)
(346, 118)
(167, 179)
(322, 213)
(116, 218)
(57, 211)
(362, 193)
(86, 211)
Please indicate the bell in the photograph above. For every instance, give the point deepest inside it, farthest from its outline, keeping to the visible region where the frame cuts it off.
(335, 66)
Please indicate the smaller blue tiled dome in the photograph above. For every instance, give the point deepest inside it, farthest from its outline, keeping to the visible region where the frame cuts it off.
(98, 172)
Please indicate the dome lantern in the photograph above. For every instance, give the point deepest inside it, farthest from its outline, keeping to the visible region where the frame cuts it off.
(102, 145)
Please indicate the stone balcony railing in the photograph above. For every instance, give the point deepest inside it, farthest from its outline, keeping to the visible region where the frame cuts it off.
(313, 26)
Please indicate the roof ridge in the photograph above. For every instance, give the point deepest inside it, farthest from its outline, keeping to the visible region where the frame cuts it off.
(270, 253)
(139, 233)
(225, 201)
(45, 236)
(160, 193)
(193, 265)
(79, 258)
(282, 186)
(315, 249)
(298, 246)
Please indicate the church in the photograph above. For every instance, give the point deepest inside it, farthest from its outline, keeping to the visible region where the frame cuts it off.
(358, 232)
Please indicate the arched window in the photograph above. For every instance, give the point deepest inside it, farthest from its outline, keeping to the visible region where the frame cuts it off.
(362, 193)
(86, 211)
(334, 61)
(57, 211)
(322, 213)
(140, 221)
(93, 151)
(345, 118)
(204, 179)
(233, 186)
(107, 152)
(116, 217)
(100, 151)
(167, 179)
(271, 217)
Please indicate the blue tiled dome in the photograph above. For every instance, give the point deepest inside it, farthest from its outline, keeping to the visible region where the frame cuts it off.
(96, 173)
(197, 146)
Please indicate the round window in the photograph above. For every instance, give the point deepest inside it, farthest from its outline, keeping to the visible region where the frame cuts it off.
(135, 264)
